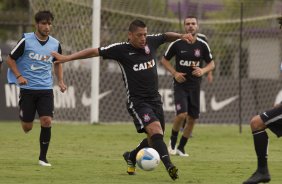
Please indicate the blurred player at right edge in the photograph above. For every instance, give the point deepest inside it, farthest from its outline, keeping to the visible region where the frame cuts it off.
(271, 119)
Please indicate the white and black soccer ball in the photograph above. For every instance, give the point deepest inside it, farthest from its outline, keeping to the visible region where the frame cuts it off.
(147, 159)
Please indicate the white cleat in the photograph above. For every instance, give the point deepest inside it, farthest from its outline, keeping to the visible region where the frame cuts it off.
(170, 150)
(180, 153)
(42, 163)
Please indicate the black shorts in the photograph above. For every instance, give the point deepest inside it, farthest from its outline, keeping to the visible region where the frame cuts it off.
(31, 101)
(187, 100)
(273, 120)
(144, 113)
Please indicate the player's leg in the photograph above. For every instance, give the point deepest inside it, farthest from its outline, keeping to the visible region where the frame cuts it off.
(44, 139)
(271, 119)
(181, 113)
(45, 108)
(193, 103)
(187, 131)
(177, 123)
(155, 135)
(27, 109)
(260, 138)
(130, 156)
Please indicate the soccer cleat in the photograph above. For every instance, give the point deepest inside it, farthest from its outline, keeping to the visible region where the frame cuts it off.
(258, 177)
(170, 150)
(44, 163)
(173, 172)
(181, 153)
(130, 164)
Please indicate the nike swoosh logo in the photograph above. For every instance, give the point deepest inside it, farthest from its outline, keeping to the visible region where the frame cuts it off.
(219, 105)
(33, 68)
(131, 53)
(265, 114)
(86, 101)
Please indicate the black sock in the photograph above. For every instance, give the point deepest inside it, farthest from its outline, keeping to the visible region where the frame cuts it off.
(159, 145)
(261, 144)
(173, 138)
(182, 143)
(133, 153)
(45, 136)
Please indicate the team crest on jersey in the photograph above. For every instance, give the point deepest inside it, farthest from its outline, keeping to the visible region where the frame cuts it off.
(197, 52)
(147, 49)
(146, 118)
(178, 107)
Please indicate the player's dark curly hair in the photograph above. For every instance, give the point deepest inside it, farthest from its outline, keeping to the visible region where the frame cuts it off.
(43, 15)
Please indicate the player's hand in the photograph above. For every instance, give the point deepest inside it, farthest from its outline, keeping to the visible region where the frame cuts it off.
(22, 81)
(59, 58)
(188, 37)
(198, 72)
(180, 77)
(62, 86)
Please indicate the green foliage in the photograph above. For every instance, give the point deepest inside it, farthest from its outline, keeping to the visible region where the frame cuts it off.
(13, 5)
(93, 154)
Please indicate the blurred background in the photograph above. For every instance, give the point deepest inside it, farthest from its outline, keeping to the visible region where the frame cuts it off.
(244, 37)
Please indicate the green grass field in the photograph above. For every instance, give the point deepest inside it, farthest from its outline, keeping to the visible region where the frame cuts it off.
(83, 154)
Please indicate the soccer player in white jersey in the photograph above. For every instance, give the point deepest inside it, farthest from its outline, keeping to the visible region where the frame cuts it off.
(137, 60)
(187, 73)
(30, 67)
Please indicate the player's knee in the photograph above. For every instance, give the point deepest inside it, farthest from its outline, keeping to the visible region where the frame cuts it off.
(182, 116)
(256, 123)
(154, 128)
(27, 127)
(45, 121)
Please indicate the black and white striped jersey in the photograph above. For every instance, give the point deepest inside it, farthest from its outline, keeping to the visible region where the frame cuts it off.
(138, 66)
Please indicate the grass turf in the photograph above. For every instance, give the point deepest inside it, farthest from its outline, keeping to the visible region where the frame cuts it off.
(81, 153)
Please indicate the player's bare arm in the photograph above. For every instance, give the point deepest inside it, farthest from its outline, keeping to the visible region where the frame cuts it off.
(198, 72)
(172, 36)
(83, 54)
(13, 66)
(59, 74)
(179, 77)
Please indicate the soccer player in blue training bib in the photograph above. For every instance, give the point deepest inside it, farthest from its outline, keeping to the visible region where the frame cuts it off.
(187, 73)
(30, 67)
(137, 60)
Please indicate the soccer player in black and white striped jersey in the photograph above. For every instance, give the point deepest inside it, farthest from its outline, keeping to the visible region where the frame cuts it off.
(187, 73)
(137, 60)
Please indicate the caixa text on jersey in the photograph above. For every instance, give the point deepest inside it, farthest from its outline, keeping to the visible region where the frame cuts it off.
(40, 57)
(144, 66)
(189, 63)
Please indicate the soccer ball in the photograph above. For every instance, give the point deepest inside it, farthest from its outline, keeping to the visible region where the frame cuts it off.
(147, 159)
